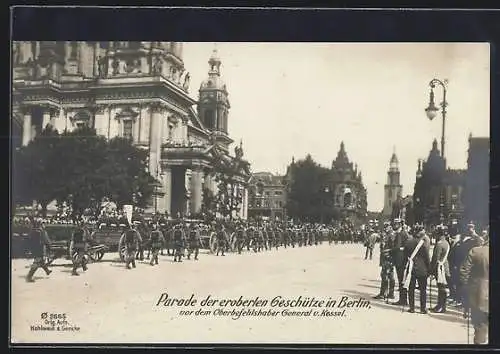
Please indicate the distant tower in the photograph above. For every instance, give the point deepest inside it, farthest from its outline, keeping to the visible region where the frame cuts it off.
(213, 105)
(393, 189)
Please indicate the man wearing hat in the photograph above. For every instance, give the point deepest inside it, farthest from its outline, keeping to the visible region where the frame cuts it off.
(179, 241)
(194, 241)
(417, 270)
(220, 235)
(474, 275)
(38, 240)
(132, 241)
(79, 238)
(440, 268)
(387, 267)
(156, 243)
(399, 260)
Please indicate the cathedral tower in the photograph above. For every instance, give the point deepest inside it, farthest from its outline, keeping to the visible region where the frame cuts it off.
(213, 105)
(393, 189)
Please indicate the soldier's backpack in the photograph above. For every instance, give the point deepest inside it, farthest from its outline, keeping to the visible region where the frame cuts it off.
(130, 236)
(177, 234)
(192, 235)
(78, 236)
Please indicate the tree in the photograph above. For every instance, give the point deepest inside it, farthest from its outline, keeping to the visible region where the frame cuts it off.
(82, 168)
(36, 170)
(309, 197)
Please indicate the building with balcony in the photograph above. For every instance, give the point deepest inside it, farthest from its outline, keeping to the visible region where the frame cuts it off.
(267, 196)
(136, 90)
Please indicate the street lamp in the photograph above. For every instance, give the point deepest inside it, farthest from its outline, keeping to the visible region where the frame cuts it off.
(431, 112)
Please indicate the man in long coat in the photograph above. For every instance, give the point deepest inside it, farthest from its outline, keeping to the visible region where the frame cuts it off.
(418, 272)
(440, 269)
(474, 275)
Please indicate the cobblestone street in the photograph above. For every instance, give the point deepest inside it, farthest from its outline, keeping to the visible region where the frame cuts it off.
(110, 304)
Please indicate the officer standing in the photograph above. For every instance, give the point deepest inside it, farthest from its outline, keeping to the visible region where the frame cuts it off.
(79, 239)
(132, 240)
(474, 275)
(387, 267)
(156, 243)
(440, 268)
(371, 238)
(38, 240)
(417, 254)
(399, 259)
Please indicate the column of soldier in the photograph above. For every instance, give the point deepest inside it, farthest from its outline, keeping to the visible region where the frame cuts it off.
(458, 265)
(182, 238)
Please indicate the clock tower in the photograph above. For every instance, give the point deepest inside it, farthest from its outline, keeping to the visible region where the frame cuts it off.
(213, 104)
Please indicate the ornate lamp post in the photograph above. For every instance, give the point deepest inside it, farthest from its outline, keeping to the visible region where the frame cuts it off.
(431, 112)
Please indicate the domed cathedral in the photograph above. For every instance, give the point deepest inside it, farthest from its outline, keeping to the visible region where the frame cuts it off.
(349, 192)
(393, 189)
(135, 90)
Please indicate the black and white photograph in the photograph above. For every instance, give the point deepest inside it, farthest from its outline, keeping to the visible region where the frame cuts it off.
(250, 192)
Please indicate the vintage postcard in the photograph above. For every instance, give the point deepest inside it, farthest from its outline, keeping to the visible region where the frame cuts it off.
(250, 192)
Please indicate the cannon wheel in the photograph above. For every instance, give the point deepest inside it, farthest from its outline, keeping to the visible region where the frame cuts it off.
(212, 243)
(122, 249)
(232, 242)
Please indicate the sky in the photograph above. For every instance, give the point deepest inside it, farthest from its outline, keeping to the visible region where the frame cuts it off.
(292, 99)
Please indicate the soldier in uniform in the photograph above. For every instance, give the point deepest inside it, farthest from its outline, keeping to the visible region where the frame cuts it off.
(156, 241)
(240, 237)
(474, 274)
(194, 241)
(371, 238)
(79, 238)
(221, 239)
(399, 260)
(387, 267)
(132, 240)
(178, 238)
(38, 240)
(440, 269)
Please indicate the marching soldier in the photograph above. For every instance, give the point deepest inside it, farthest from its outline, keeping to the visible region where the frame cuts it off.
(132, 240)
(79, 238)
(221, 239)
(194, 241)
(399, 259)
(38, 240)
(240, 237)
(387, 267)
(156, 243)
(440, 269)
(178, 238)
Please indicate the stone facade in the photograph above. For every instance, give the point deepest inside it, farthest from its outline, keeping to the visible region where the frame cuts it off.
(137, 90)
(349, 193)
(267, 196)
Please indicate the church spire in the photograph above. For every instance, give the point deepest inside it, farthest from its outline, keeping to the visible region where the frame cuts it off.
(214, 63)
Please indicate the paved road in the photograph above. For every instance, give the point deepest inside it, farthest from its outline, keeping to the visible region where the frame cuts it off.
(110, 304)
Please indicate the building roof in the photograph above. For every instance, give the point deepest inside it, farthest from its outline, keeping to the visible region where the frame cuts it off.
(267, 178)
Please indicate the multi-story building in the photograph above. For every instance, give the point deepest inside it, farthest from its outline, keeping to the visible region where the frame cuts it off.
(393, 189)
(349, 193)
(439, 192)
(267, 196)
(137, 90)
(477, 183)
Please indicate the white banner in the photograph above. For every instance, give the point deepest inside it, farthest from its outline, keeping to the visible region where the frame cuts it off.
(128, 209)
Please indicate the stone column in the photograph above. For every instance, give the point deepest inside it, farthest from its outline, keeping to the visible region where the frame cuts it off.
(167, 189)
(27, 125)
(47, 118)
(196, 190)
(245, 203)
(154, 140)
